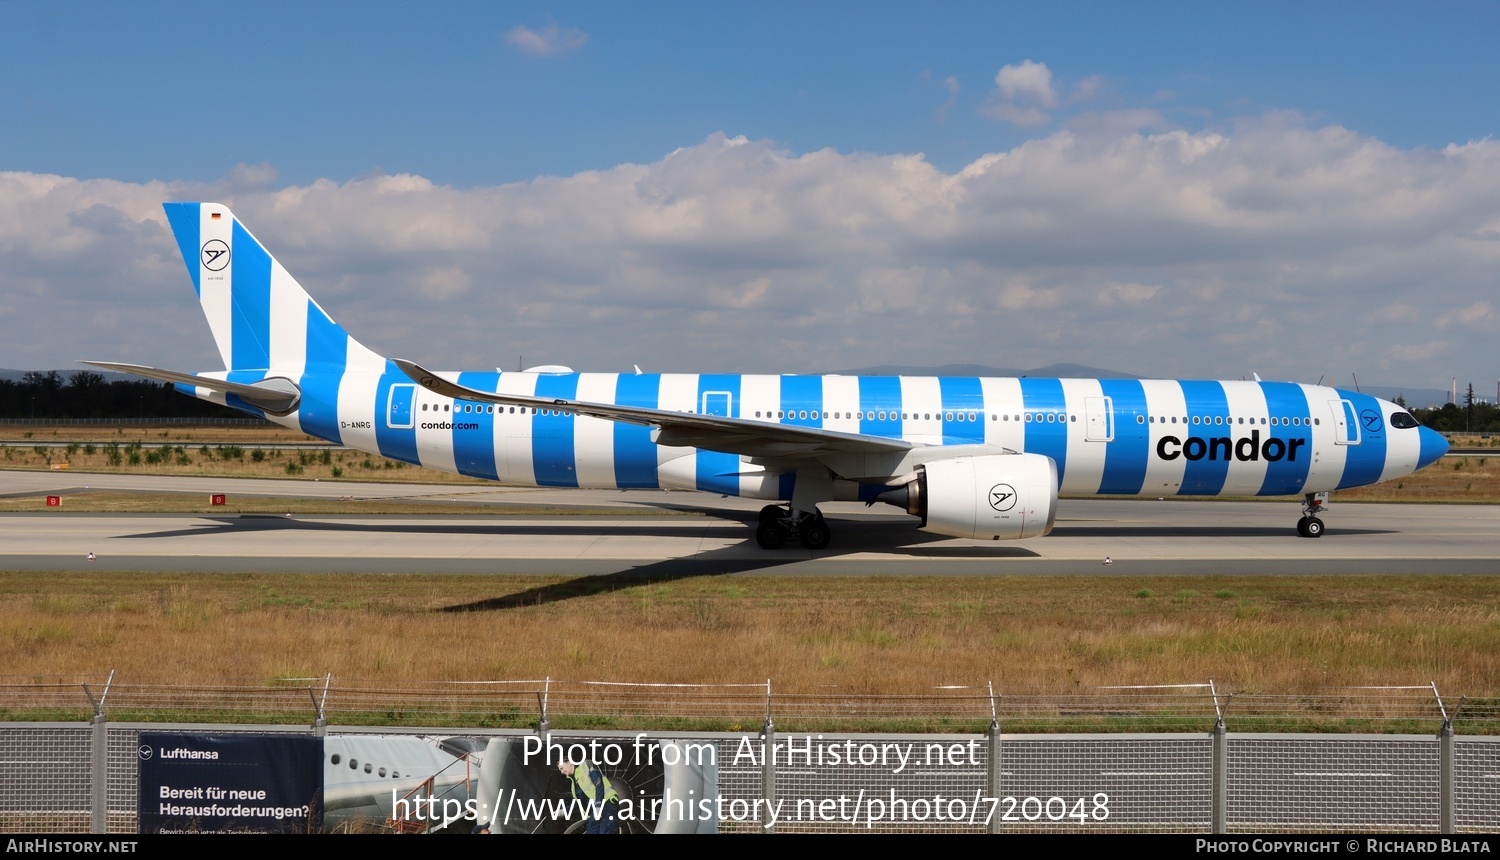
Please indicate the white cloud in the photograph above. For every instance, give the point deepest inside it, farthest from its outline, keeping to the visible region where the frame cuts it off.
(1023, 95)
(1128, 293)
(1396, 312)
(1027, 82)
(546, 42)
(445, 283)
(1414, 352)
(1480, 316)
(1289, 249)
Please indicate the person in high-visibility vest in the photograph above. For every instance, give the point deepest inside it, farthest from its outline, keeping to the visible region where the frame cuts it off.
(592, 787)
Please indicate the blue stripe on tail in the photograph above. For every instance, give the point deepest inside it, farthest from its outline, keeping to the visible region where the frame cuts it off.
(327, 353)
(183, 219)
(251, 300)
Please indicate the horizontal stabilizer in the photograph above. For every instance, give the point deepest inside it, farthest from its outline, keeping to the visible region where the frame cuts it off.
(276, 395)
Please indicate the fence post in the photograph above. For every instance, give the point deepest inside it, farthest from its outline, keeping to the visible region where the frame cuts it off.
(767, 766)
(320, 718)
(993, 779)
(544, 725)
(99, 760)
(1220, 778)
(1445, 778)
(1219, 770)
(994, 773)
(1446, 770)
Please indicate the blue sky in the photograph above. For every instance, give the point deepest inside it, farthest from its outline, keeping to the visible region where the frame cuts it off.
(332, 90)
(293, 111)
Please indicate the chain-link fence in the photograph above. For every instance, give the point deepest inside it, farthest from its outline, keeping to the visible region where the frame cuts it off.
(1142, 759)
(917, 783)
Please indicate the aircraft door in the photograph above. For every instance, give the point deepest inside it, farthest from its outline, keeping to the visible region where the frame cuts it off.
(398, 413)
(1100, 412)
(717, 403)
(1345, 426)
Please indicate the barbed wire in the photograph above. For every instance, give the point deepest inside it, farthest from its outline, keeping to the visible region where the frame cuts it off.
(601, 704)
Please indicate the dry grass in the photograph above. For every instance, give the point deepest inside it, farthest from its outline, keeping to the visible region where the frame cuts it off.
(1470, 479)
(1279, 635)
(225, 460)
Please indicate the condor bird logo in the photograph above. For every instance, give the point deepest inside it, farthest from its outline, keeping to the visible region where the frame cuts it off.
(215, 255)
(1002, 497)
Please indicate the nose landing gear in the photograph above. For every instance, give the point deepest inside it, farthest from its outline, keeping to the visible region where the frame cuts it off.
(1312, 505)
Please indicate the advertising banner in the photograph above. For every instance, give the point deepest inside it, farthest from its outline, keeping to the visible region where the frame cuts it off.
(232, 783)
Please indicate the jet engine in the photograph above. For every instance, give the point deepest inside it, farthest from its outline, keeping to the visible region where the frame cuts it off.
(989, 497)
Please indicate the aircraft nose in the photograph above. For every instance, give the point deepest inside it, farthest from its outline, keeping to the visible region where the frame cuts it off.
(1434, 446)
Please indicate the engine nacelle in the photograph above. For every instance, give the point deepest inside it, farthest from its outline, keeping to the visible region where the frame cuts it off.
(990, 497)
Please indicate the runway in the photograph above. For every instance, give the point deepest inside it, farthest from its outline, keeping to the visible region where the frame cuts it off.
(692, 534)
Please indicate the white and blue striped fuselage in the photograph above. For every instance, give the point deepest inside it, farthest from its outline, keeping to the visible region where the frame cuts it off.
(1107, 436)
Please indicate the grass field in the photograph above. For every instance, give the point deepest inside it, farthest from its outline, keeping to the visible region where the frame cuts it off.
(1274, 634)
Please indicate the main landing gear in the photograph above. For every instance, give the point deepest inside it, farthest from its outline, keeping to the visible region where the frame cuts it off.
(1312, 505)
(779, 523)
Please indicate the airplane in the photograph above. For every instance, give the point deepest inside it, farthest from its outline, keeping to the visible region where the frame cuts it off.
(977, 458)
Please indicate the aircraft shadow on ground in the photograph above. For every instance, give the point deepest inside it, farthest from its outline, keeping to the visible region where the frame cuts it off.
(850, 536)
(879, 535)
(875, 535)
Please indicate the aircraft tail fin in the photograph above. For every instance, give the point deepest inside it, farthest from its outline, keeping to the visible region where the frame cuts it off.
(261, 318)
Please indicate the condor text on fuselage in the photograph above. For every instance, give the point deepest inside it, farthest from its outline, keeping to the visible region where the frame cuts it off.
(1247, 449)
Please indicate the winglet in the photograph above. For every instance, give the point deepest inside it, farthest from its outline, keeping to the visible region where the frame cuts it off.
(431, 381)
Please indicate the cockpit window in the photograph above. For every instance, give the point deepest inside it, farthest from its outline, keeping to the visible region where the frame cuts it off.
(1402, 420)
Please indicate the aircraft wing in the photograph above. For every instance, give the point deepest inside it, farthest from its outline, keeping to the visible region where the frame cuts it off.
(685, 429)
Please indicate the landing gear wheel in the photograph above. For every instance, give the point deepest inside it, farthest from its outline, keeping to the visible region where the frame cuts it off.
(815, 535)
(1312, 505)
(771, 513)
(770, 536)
